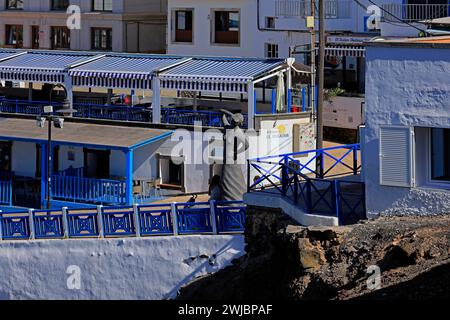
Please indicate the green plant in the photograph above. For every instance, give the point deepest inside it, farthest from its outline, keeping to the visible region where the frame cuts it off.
(334, 92)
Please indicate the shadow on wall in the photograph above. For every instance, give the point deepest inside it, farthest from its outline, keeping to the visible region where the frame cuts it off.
(207, 264)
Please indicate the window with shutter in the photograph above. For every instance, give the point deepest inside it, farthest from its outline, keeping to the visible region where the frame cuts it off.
(397, 156)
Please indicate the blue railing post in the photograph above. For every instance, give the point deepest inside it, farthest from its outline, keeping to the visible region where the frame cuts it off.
(296, 182)
(249, 183)
(31, 224)
(137, 220)
(320, 164)
(174, 216)
(285, 175)
(17, 105)
(308, 196)
(101, 225)
(304, 99)
(65, 222)
(129, 177)
(337, 199)
(274, 101)
(213, 216)
(355, 160)
(289, 98)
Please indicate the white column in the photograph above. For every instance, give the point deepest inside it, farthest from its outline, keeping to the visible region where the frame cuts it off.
(156, 106)
(289, 78)
(251, 105)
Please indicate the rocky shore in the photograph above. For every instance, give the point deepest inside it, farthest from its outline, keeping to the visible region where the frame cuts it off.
(387, 258)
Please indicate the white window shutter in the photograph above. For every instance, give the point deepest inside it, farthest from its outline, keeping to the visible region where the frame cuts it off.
(397, 156)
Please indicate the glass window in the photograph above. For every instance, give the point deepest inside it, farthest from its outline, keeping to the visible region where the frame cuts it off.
(271, 50)
(14, 4)
(226, 27)
(60, 38)
(102, 39)
(440, 154)
(102, 5)
(183, 25)
(14, 36)
(60, 4)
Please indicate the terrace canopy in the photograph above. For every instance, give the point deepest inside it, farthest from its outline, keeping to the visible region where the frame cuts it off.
(88, 135)
(39, 66)
(142, 71)
(122, 71)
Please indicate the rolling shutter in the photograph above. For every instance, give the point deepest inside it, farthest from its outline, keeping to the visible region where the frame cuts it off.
(397, 156)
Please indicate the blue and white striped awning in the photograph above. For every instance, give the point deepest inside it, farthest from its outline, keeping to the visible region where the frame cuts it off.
(7, 54)
(124, 72)
(48, 67)
(218, 74)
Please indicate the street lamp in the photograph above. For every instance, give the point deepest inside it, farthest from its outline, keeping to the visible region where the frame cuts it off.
(58, 121)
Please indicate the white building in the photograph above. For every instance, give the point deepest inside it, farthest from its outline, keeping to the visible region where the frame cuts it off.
(105, 25)
(406, 154)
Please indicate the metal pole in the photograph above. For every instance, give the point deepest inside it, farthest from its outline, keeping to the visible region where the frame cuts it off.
(321, 74)
(313, 62)
(49, 162)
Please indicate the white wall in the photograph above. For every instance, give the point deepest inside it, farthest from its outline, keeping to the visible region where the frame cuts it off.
(115, 269)
(407, 86)
(252, 41)
(150, 13)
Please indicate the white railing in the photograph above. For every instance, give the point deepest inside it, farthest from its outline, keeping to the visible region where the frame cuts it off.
(414, 12)
(334, 9)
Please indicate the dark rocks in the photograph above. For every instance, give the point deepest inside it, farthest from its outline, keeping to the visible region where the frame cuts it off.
(288, 261)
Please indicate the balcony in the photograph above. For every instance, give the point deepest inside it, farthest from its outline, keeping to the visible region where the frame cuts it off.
(413, 12)
(334, 9)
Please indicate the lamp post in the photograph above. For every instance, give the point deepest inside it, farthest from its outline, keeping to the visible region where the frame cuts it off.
(58, 121)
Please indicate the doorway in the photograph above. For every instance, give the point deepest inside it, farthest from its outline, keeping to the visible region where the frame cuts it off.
(96, 164)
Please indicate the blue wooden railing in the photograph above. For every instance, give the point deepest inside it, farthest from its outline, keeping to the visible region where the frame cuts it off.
(135, 221)
(6, 192)
(79, 189)
(119, 113)
(314, 187)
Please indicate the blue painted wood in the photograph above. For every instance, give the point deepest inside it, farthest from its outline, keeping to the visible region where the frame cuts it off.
(48, 224)
(6, 193)
(288, 176)
(129, 155)
(155, 220)
(78, 189)
(194, 218)
(83, 223)
(118, 221)
(230, 217)
(120, 113)
(15, 225)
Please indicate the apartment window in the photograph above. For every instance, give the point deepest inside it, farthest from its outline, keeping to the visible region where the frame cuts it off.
(226, 27)
(35, 31)
(183, 25)
(14, 35)
(270, 22)
(440, 154)
(102, 5)
(59, 4)
(271, 50)
(60, 38)
(14, 4)
(102, 39)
